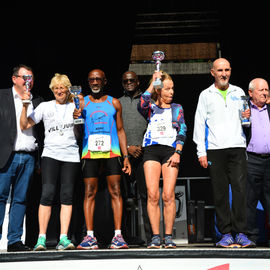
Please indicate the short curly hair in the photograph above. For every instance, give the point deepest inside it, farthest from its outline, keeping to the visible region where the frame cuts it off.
(60, 79)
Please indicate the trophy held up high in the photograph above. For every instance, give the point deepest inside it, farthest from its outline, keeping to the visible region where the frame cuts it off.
(158, 56)
(76, 90)
(28, 80)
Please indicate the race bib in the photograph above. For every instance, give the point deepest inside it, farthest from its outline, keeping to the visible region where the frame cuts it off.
(161, 129)
(99, 143)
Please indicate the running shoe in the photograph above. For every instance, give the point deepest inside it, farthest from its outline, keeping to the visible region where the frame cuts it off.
(88, 243)
(118, 242)
(242, 240)
(168, 242)
(65, 244)
(226, 241)
(41, 244)
(155, 242)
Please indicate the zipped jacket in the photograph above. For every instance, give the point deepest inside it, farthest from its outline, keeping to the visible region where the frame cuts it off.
(217, 122)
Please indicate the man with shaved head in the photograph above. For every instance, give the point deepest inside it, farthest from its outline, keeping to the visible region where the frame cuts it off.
(258, 152)
(221, 147)
(104, 142)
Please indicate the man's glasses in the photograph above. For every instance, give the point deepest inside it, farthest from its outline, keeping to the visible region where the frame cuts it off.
(97, 79)
(129, 80)
(25, 77)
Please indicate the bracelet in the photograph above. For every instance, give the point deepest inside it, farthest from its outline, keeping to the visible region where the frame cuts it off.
(178, 152)
(126, 156)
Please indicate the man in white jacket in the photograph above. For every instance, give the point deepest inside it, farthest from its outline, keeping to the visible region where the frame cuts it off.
(221, 146)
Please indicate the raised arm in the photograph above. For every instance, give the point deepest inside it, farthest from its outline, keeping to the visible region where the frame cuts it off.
(26, 122)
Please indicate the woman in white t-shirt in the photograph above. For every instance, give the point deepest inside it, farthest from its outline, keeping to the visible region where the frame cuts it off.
(163, 142)
(60, 157)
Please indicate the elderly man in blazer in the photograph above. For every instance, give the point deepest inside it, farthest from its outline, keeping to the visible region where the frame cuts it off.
(17, 159)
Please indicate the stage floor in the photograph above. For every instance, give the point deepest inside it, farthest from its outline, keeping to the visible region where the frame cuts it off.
(185, 251)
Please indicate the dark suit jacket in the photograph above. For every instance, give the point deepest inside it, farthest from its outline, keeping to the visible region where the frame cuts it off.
(8, 127)
(247, 130)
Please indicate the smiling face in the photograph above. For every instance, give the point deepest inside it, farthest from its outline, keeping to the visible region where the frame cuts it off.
(130, 81)
(19, 81)
(61, 93)
(221, 71)
(60, 85)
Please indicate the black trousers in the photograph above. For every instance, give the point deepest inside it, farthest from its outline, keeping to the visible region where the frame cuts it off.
(53, 172)
(137, 174)
(228, 166)
(258, 188)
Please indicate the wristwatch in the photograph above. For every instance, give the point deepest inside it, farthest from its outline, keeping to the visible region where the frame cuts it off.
(178, 152)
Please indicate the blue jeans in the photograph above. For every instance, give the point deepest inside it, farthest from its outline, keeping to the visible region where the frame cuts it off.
(17, 173)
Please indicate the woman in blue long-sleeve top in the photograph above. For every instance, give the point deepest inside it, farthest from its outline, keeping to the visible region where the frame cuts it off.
(163, 143)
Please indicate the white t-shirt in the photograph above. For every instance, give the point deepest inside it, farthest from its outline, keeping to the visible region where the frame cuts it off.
(60, 142)
(25, 140)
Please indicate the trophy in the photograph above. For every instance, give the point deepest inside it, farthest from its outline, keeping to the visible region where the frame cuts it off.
(158, 56)
(76, 90)
(28, 80)
(245, 121)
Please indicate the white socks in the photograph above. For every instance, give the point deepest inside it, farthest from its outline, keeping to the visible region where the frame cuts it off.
(42, 235)
(91, 233)
(62, 235)
(116, 232)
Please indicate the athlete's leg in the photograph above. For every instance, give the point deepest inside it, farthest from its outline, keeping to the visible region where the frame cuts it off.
(91, 186)
(69, 172)
(152, 171)
(50, 170)
(169, 174)
(116, 199)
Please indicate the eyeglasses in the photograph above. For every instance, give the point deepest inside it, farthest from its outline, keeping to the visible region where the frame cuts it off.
(91, 80)
(127, 80)
(25, 77)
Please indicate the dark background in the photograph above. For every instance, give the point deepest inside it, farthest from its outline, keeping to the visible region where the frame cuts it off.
(73, 38)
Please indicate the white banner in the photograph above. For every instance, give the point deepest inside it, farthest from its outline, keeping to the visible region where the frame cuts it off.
(144, 264)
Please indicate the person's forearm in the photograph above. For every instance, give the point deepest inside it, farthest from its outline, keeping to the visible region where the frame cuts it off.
(123, 141)
(78, 131)
(23, 119)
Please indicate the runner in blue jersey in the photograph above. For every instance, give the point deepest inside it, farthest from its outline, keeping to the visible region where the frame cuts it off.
(104, 140)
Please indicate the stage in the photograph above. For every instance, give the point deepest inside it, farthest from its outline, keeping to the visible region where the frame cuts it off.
(184, 257)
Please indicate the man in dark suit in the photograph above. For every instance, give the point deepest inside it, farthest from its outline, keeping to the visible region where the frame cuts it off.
(17, 159)
(258, 152)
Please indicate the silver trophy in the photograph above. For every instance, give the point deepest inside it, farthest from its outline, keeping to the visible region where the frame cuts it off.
(76, 90)
(28, 80)
(158, 56)
(245, 121)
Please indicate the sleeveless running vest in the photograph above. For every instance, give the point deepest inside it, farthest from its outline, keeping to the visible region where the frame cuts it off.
(100, 138)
